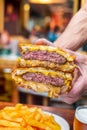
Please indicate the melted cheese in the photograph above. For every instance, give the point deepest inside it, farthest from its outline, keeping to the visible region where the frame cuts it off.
(67, 67)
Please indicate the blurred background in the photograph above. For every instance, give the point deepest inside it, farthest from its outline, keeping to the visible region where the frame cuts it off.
(26, 21)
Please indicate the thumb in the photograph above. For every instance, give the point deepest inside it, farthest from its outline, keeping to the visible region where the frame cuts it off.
(75, 93)
(80, 58)
(43, 42)
(77, 88)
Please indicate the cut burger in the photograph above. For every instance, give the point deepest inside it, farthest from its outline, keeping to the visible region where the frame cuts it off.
(45, 69)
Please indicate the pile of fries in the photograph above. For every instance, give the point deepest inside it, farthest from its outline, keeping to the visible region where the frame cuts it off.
(21, 117)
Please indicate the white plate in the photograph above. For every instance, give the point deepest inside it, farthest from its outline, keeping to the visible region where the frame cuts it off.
(61, 121)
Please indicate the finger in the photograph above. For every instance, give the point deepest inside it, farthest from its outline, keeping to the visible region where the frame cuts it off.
(75, 93)
(76, 74)
(69, 100)
(43, 42)
(77, 88)
(81, 58)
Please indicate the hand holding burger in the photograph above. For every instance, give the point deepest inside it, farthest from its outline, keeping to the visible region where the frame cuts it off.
(74, 36)
(45, 69)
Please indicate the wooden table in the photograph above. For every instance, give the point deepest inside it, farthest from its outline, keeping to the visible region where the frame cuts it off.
(67, 114)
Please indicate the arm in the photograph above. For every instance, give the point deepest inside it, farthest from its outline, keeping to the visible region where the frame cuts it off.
(75, 35)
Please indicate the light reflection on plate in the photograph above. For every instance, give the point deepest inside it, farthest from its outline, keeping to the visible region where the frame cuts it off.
(61, 121)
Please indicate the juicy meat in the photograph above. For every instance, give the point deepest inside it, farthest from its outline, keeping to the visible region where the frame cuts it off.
(38, 77)
(44, 56)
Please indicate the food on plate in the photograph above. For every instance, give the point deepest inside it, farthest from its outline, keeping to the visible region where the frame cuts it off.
(21, 117)
(45, 69)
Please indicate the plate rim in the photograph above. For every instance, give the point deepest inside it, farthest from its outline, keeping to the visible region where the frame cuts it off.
(61, 119)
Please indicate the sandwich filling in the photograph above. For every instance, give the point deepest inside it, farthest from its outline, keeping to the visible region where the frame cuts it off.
(67, 67)
(43, 55)
(41, 78)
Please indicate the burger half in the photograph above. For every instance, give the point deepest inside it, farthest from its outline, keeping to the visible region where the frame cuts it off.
(45, 69)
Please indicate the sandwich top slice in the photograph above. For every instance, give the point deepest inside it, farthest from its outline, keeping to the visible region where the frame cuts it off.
(46, 56)
(45, 53)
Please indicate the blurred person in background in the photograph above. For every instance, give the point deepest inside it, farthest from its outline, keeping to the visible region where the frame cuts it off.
(11, 23)
(8, 45)
(53, 34)
(25, 32)
(34, 34)
(84, 48)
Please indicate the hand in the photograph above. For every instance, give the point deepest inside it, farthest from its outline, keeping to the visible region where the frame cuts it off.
(80, 85)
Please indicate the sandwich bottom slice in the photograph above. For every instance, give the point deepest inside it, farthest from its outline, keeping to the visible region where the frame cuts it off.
(42, 80)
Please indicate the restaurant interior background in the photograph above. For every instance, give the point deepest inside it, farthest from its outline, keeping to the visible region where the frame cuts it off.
(26, 21)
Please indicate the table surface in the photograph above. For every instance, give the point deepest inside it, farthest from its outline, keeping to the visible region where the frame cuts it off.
(67, 114)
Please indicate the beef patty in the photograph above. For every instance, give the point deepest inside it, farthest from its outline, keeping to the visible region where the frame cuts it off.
(38, 77)
(44, 56)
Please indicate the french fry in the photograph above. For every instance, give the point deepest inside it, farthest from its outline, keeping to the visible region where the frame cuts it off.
(36, 124)
(8, 123)
(52, 126)
(11, 128)
(10, 117)
(21, 117)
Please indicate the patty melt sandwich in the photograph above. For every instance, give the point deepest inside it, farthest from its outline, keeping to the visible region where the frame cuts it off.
(45, 69)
